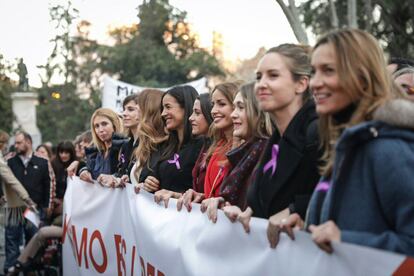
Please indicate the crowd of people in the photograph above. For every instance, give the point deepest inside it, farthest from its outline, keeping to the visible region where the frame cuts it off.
(321, 141)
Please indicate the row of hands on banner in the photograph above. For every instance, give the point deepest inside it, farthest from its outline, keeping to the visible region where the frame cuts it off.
(278, 223)
(284, 222)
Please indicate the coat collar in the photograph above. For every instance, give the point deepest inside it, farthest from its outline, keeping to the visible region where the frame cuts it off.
(394, 119)
(235, 155)
(398, 112)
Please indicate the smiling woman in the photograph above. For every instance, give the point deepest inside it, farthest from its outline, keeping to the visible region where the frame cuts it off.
(201, 121)
(253, 126)
(174, 166)
(287, 172)
(366, 194)
(288, 169)
(222, 98)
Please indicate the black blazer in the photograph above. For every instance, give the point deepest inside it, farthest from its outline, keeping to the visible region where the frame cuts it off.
(35, 178)
(296, 173)
(126, 160)
(179, 179)
(150, 167)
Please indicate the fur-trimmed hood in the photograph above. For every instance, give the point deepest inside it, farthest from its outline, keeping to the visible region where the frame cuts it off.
(393, 120)
(398, 112)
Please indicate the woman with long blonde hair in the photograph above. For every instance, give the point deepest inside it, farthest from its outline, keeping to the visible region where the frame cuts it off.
(102, 158)
(288, 169)
(366, 194)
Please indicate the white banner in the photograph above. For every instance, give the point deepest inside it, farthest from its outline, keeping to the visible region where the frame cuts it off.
(114, 91)
(116, 232)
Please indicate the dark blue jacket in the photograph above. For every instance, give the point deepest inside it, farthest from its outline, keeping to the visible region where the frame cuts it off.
(371, 192)
(95, 158)
(35, 178)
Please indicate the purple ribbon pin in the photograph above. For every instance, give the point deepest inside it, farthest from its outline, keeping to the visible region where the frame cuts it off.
(175, 161)
(273, 161)
(323, 186)
(122, 158)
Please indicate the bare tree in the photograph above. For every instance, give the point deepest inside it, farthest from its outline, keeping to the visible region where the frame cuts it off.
(352, 14)
(334, 15)
(292, 15)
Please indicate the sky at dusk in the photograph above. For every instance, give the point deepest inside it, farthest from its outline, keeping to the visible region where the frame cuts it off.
(245, 25)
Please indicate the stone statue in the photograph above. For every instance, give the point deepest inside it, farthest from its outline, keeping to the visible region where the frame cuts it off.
(23, 80)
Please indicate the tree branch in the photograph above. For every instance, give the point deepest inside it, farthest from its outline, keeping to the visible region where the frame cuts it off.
(334, 15)
(352, 14)
(292, 16)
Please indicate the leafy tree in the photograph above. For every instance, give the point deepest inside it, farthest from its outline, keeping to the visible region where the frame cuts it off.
(159, 51)
(392, 22)
(395, 26)
(62, 118)
(389, 21)
(61, 113)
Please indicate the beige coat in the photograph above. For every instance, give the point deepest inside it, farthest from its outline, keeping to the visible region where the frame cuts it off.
(16, 194)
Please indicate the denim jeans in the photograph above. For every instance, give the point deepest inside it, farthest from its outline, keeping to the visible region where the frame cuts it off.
(14, 238)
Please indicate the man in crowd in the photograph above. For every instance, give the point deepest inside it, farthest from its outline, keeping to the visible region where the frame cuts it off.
(33, 173)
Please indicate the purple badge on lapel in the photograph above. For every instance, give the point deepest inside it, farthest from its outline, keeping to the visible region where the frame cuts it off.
(122, 157)
(175, 161)
(273, 161)
(323, 186)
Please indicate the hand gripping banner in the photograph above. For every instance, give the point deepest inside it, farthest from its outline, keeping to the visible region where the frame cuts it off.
(117, 232)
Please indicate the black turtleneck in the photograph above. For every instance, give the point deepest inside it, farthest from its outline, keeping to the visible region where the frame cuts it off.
(344, 116)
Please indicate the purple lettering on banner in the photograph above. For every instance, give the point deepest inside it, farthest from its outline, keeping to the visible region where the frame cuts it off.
(175, 161)
(273, 161)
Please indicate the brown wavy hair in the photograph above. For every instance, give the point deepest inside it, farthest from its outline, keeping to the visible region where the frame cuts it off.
(362, 74)
(151, 127)
(229, 91)
(127, 100)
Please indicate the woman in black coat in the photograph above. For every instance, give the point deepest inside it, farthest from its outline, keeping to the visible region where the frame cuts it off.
(64, 157)
(174, 168)
(287, 172)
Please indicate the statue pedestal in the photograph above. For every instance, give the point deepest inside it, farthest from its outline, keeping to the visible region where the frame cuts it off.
(24, 110)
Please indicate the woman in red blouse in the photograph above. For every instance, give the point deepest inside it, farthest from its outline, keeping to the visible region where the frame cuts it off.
(218, 166)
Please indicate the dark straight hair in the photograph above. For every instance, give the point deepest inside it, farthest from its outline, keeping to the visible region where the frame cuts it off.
(66, 146)
(185, 95)
(205, 103)
(130, 98)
